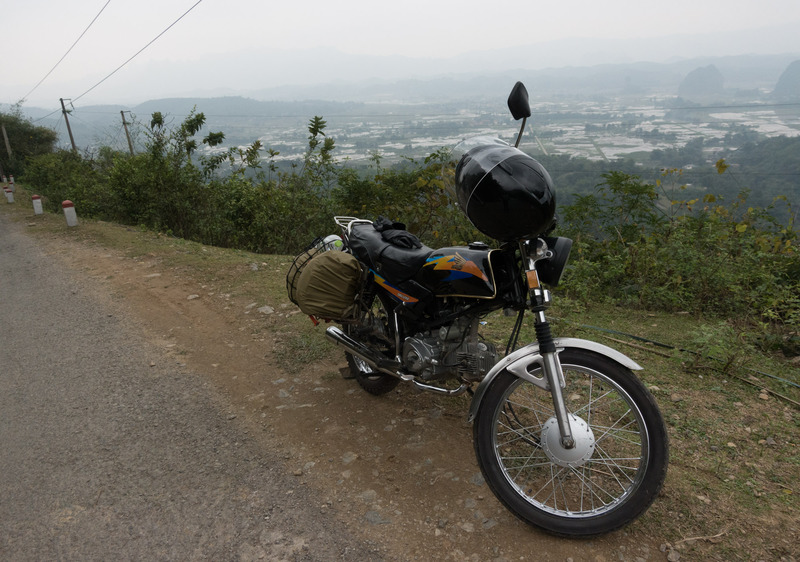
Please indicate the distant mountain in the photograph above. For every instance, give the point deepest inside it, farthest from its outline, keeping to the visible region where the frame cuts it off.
(747, 72)
(733, 78)
(239, 106)
(339, 76)
(702, 83)
(788, 86)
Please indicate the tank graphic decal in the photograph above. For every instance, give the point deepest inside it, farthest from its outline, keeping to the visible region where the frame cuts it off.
(394, 291)
(458, 272)
(459, 267)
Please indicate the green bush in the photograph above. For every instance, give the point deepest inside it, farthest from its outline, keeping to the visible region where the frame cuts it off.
(635, 247)
(26, 140)
(63, 175)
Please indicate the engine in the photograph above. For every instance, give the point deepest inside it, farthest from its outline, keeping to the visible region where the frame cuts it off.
(451, 351)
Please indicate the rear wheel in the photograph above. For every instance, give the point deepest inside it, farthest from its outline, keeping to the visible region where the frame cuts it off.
(369, 379)
(609, 478)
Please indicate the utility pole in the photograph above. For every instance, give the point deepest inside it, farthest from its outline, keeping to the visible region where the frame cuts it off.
(127, 134)
(8, 144)
(71, 139)
(8, 148)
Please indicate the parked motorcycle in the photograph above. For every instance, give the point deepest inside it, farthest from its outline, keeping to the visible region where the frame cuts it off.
(566, 436)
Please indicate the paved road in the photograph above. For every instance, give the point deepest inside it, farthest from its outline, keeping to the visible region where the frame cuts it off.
(105, 457)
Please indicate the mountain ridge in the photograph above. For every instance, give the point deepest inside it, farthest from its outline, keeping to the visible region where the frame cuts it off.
(747, 72)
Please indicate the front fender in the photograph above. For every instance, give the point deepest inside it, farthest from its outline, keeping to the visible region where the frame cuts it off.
(517, 363)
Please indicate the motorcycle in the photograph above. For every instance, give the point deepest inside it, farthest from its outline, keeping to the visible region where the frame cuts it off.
(566, 436)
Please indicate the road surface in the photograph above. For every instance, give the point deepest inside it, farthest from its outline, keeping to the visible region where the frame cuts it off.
(109, 450)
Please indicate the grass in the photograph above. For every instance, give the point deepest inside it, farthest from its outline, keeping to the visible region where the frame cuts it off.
(734, 479)
(296, 351)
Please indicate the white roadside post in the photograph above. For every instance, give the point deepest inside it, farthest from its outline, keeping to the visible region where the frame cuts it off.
(37, 204)
(69, 213)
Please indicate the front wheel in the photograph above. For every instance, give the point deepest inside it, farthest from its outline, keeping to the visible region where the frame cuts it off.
(607, 480)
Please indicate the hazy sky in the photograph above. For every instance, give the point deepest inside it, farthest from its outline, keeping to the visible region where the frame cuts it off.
(36, 33)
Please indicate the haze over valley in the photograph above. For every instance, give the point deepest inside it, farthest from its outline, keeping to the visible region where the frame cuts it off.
(597, 112)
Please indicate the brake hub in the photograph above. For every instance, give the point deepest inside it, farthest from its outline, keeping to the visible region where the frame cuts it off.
(577, 455)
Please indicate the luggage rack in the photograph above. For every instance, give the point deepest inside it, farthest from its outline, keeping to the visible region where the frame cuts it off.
(346, 225)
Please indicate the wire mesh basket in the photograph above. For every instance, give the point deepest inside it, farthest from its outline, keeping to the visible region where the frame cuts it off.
(317, 246)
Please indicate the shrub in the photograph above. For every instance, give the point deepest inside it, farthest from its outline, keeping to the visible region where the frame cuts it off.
(724, 260)
(65, 175)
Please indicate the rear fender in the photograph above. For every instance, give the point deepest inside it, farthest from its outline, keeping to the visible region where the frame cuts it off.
(520, 364)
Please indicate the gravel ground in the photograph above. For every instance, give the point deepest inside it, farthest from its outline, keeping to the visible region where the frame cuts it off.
(110, 450)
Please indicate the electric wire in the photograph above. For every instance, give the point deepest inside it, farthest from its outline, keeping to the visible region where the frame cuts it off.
(46, 116)
(138, 52)
(99, 134)
(68, 50)
(118, 139)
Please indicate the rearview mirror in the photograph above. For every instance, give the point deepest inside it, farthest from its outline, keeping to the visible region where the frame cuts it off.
(518, 102)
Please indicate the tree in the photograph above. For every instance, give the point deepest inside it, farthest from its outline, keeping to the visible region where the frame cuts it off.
(26, 139)
(318, 163)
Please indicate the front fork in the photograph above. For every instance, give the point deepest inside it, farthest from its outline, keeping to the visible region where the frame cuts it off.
(551, 364)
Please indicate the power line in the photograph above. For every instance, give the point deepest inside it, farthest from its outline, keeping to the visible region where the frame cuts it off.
(46, 116)
(88, 124)
(68, 50)
(138, 52)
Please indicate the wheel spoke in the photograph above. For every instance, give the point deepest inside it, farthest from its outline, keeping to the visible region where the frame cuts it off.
(547, 485)
(611, 464)
(535, 407)
(592, 487)
(592, 401)
(529, 433)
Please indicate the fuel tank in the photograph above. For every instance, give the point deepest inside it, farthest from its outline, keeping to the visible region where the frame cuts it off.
(460, 271)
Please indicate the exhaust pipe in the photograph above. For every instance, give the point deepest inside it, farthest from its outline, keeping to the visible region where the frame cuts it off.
(373, 359)
(384, 365)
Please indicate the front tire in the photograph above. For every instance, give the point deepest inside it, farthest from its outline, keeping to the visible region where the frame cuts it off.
(623, 461)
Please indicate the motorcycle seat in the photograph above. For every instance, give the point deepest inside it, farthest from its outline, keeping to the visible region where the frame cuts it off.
(394, 262)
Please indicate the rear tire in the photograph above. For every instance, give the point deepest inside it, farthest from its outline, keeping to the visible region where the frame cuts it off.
(374, 382)
(622, 462)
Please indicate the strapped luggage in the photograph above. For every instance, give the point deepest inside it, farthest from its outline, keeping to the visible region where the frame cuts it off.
(324, 282)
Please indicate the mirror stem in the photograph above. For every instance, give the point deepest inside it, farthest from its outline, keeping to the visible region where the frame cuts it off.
(521, 129)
